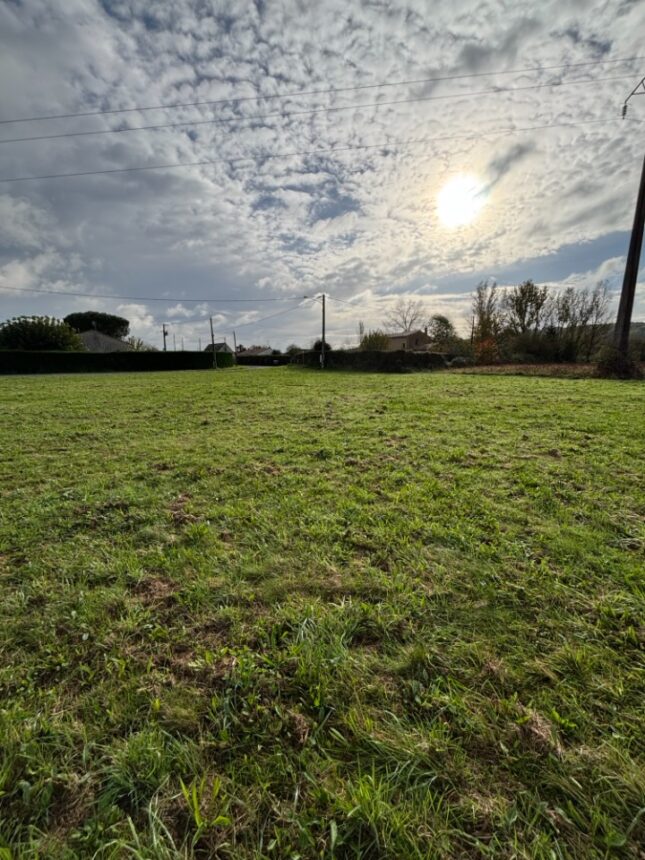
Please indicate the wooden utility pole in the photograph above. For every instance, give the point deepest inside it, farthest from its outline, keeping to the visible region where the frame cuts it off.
(322, 345)
(213, 344)
(234, 344)
(624, 318)
(164, 329)
(625, 307)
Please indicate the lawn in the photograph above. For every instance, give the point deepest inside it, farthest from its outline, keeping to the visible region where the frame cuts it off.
(285, 614)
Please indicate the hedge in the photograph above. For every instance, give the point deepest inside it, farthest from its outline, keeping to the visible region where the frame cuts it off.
(17, 361)
(262, 360)
(385, 362)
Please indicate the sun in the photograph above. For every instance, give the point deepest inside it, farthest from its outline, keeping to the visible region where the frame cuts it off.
(460, 200)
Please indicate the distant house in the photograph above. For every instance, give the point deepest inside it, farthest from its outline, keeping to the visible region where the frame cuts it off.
(218, 347)
(410, 340)
(257, 350)
(95, 341)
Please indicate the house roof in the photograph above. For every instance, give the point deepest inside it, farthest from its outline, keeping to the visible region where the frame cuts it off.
(405, 333)
(95, 341)
(218, 347)
(258, 350)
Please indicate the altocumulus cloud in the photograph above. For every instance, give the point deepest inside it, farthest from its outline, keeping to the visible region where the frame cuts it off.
(358, 222)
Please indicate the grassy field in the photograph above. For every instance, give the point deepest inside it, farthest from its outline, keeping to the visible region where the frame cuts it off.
(285, 614)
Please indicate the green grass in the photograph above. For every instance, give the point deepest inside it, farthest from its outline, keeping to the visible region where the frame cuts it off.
(286, 614)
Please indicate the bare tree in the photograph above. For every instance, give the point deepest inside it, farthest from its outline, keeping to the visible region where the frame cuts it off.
(526, 307)
(405, 315)
(487, 312)
(139, 345)
(597, 317)
(580, 315)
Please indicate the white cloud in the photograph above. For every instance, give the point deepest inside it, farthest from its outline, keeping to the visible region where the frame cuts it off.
(361, 221)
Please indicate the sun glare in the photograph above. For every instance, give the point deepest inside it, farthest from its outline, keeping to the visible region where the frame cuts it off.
(460, 200)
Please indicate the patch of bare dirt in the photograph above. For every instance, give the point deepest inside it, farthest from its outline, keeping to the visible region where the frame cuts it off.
(155, 591)
(178, 513)
(537, 732)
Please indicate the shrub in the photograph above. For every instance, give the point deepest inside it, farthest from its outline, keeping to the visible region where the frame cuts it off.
(399, 361)
(263, 360)
(487, 351)
(38, 333)
(616, 365)
(375, 340)
(97, 362)
(317, 347)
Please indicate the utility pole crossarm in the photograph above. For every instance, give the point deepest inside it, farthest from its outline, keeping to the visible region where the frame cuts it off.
(639, 90)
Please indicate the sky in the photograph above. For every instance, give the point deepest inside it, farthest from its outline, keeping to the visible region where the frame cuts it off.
(335, 128)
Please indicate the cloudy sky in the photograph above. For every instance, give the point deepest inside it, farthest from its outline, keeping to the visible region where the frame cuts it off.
(331, 128)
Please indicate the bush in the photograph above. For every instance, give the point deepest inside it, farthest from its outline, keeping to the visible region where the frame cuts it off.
(38, 333)
(487, 351)
(375, 340)
(400, 361)
(317, 347)
(262, 360)
(98, 362)
(614, 364)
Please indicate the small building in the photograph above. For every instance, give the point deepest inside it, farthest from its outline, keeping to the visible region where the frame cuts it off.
(95, 341)
(218, 347)
(257, 350)
(410, 340)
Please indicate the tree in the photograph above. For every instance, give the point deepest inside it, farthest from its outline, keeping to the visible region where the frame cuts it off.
(579, 317)
(107, 323)
(405, 315)
(317, 347)
(36, 333)
(441, 331)
(294, 349)
(598, 316)
(376, 340)
(487, 313)
(139, 345)
(526, 307)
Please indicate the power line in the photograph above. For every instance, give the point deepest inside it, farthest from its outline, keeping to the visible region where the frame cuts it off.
(296, 153)
(342, 301)
(298, 299)
(333, 91)
(308, 111)
(270, 317)
(213, 300)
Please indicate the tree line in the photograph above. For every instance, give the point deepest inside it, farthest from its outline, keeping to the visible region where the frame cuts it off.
(523, 323)
(532, 323)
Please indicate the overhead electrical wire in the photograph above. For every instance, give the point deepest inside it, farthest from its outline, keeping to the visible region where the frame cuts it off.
(270, 317)
(299, 153)
(212, 300)
(239, 325)
(332, 91)
(308, 111)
